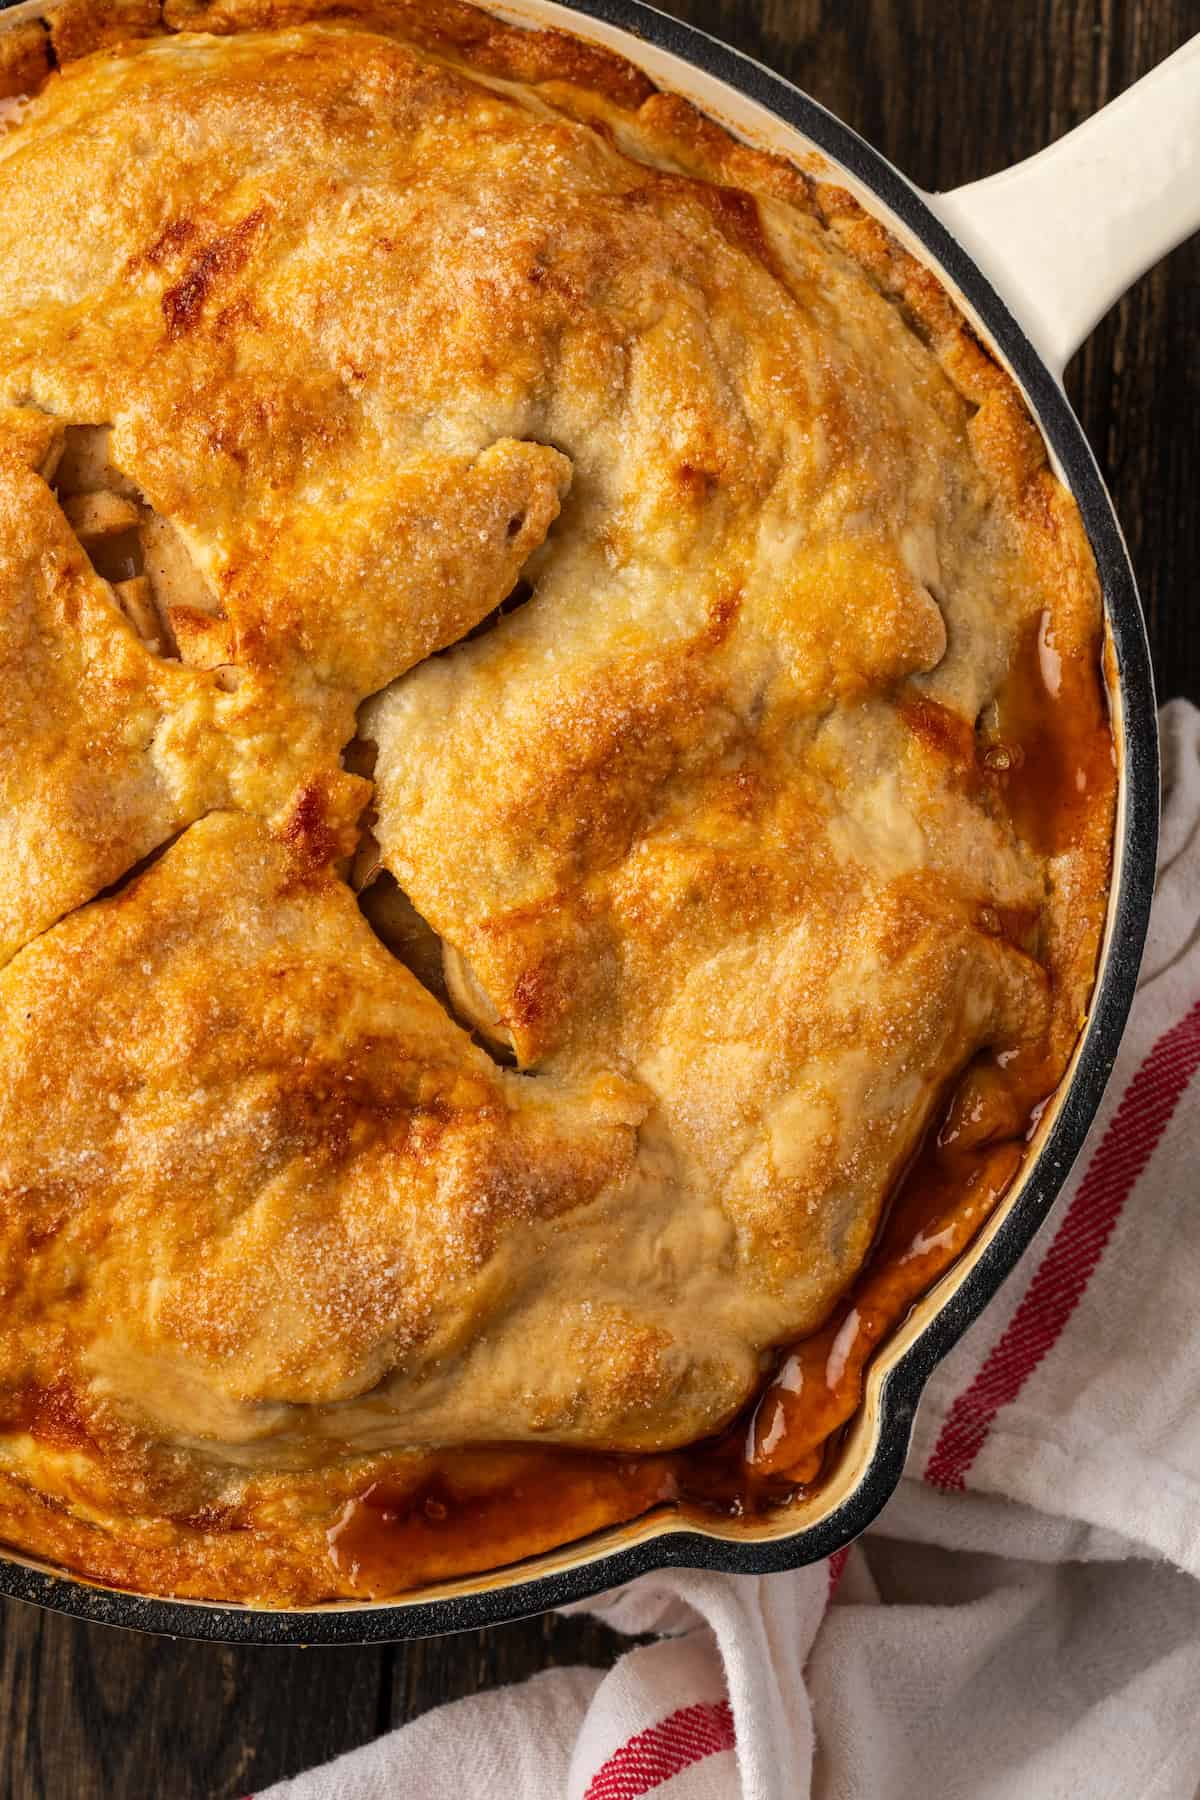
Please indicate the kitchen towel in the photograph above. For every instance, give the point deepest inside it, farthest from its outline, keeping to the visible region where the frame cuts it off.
(1023, 1621)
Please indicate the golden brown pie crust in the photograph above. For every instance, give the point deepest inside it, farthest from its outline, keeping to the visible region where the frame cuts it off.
(726, 668)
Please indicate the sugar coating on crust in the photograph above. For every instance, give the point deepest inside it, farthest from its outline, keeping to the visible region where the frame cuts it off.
(675, 547)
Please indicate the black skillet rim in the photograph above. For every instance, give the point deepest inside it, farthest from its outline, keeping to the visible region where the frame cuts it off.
(351, 1623)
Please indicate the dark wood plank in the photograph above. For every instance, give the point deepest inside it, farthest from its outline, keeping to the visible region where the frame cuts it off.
(89, 1713)
(950, 91)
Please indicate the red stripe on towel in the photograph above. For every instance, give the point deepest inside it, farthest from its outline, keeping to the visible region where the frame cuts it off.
(837, 1568)
(1121, 1156)
(653, 1756)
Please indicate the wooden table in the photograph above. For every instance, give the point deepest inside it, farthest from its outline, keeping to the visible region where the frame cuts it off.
(949, 89)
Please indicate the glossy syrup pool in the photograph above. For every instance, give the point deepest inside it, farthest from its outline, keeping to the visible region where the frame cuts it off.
(1046, 751)
(483, 1508)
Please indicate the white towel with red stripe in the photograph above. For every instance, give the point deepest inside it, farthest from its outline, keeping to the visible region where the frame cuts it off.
(1023, 1622)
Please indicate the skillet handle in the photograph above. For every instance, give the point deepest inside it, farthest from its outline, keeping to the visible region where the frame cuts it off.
(1063, 234)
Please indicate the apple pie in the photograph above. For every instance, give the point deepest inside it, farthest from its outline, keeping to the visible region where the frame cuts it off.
(554, 779)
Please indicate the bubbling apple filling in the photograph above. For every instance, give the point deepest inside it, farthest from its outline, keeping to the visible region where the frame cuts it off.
(153, 578)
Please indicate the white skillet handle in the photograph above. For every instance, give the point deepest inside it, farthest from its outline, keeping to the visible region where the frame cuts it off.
(1062, 235)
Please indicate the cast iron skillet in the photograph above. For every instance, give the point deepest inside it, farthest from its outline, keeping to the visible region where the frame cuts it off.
(1084, 258)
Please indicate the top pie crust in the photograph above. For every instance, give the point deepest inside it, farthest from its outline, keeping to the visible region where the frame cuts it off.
(387, 310)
